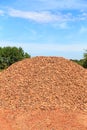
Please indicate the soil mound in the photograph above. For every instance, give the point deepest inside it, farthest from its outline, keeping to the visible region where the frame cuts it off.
(45, 83)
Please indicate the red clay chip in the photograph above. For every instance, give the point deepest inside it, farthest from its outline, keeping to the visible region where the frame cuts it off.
(44, 93)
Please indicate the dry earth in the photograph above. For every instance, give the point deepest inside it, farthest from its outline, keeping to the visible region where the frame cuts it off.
(43, 93)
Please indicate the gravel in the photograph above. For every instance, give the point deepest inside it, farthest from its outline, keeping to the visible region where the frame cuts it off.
(44, 83)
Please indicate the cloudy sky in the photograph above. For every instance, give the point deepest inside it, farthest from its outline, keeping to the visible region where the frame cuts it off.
(45, 27)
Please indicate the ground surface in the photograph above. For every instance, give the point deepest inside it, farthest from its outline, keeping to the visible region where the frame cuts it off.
(43, 93)
(43, 120)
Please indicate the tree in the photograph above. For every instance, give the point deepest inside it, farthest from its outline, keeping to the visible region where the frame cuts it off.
(85, 60)
(82, 62)
(10, 55)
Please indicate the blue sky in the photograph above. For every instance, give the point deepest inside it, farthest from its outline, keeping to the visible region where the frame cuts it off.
(42, 27)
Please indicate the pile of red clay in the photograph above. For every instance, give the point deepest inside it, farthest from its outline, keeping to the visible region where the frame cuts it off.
(43, 93)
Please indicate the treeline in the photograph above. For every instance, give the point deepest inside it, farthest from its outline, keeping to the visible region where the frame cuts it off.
(82, 62)
(10, 55)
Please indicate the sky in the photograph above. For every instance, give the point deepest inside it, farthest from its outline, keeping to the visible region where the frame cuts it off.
(45, 27)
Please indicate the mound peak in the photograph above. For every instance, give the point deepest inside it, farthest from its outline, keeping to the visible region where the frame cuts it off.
(45, 83)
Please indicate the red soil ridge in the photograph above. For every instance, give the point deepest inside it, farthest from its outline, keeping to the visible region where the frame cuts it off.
(44, 93)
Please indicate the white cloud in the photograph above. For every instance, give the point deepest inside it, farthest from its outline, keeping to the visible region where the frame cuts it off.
(63, 25)
(82, 16)
(1, 12)
(43, 17)
(46, 16)
(83, 30)
(64, 4)
(73, 4)
(38, 47)
(42, 5)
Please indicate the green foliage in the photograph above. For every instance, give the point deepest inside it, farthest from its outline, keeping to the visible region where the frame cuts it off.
(85, 60)
(80, 62)
(10, 55)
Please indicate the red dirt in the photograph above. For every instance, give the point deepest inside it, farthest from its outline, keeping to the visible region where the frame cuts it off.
(43, 93)
(44, 120)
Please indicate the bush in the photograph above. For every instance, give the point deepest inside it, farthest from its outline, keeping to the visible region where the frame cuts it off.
(10, 55)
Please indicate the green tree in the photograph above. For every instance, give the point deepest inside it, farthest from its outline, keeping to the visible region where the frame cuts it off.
(82, 62)
(10, 55)
(85, 60)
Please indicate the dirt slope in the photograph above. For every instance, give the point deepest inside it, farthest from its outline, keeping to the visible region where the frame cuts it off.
(44, 86)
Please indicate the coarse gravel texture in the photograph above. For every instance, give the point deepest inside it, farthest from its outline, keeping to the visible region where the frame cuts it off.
(44, 85)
